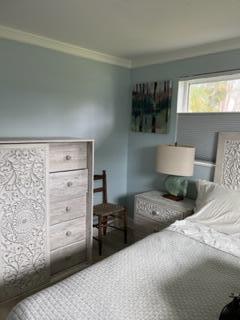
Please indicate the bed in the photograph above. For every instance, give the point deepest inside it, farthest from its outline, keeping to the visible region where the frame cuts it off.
(184, 272)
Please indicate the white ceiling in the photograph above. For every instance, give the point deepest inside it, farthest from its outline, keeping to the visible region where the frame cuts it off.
(130, 29)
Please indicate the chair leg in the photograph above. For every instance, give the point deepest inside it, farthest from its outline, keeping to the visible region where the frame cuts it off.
(100, 235)
(105, 223)
(125, 225)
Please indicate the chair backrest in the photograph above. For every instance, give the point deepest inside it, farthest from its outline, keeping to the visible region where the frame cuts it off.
(102, 189)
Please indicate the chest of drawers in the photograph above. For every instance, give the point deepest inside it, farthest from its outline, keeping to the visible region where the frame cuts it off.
(152, 212)
(45, 211)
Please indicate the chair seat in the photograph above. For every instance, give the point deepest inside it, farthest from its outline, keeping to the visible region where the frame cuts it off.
(106, 209)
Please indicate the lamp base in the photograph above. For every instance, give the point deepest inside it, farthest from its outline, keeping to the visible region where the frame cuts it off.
(176, 187)
(172, 197)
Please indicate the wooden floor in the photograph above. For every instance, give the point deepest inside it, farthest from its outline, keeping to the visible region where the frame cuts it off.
(113, 242)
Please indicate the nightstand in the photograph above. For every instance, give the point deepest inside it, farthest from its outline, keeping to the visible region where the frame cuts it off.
(153, 212)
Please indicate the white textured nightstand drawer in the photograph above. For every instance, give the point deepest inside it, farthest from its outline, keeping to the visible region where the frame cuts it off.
(157, 212)
(153, 212)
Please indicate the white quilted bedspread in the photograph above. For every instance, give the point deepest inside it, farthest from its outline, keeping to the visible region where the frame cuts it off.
(183, 273)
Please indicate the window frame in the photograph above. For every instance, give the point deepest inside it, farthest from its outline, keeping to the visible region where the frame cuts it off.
(184, 86)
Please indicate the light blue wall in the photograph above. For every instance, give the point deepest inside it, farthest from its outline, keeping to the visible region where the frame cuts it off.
(47, 93)
(141, 147)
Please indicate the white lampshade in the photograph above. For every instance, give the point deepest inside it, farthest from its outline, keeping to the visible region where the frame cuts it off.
(175, 160)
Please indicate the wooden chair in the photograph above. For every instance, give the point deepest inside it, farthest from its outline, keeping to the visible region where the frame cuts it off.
(104, 210)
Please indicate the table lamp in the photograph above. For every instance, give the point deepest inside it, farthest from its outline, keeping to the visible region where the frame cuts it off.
(177, 161)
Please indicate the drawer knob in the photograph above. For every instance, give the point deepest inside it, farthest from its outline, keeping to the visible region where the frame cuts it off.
(68, 157)
(68, 233)
(68, 209)
(69, 184)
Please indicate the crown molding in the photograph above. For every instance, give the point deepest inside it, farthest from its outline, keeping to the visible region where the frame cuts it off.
(191, 52)
(33, 39)
(142, 61)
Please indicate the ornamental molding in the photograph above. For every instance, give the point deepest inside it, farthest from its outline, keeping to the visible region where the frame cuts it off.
(44, 42)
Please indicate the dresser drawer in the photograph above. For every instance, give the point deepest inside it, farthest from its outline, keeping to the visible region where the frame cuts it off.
(68, 185)
(157, 212)
(67, 210)
(65, 233)
(144, 226)
(68, 256)
(67, 156)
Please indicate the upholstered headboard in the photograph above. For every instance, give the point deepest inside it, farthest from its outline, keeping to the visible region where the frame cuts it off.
(227, 170)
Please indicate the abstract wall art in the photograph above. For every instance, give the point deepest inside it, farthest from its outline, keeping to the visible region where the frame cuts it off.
(151, 106)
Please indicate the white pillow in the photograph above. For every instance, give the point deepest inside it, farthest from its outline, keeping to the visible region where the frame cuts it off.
(217, 206)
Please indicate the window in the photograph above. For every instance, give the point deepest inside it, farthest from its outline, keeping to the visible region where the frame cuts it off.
(215, 94)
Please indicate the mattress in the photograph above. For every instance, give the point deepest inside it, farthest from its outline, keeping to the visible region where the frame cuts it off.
(185, 272)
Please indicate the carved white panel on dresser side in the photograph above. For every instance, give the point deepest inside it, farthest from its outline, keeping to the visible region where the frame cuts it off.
(24, 248)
